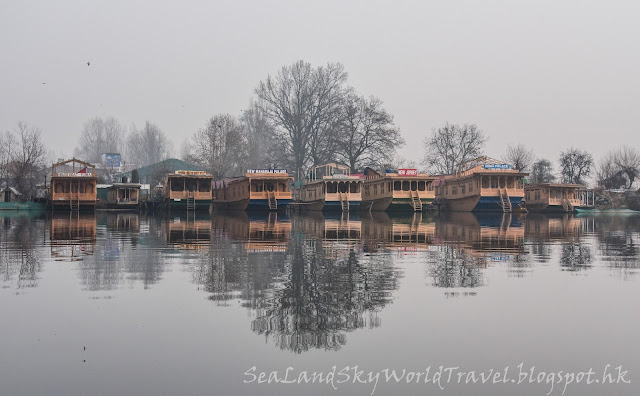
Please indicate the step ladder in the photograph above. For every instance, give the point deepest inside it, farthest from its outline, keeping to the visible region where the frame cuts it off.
(344, 203)
(566, 205)
(74, 205)
(505, 201)
(416, 202)
(191, 203)
(272, 201)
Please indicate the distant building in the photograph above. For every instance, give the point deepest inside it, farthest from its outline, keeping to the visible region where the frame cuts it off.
(9, 194)
(155, 173)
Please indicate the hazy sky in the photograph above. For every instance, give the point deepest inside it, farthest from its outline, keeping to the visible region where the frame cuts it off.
(549, 74)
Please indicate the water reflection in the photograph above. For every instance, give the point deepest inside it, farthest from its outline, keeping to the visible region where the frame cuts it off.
(309, 280)
(20, 253)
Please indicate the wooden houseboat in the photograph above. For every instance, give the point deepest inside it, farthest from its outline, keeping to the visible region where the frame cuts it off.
(406, 190)
(481, 185)
(258, 189)
(73, 185)
(188, 190)
(548, 197)
(123, 196)
(331, 187)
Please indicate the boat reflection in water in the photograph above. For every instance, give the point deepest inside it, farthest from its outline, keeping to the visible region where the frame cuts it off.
(73, 235)
(192, 231)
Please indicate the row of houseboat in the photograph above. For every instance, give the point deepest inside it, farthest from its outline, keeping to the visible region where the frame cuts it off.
(483, 184)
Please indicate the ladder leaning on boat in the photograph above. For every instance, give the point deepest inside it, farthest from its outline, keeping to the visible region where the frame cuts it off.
(416, 202)
(505, 201)
(344, 202)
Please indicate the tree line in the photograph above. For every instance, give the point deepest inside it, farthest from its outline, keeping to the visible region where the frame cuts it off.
(300, 117)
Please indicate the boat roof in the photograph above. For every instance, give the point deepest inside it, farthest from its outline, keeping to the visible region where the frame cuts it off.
(555, 185)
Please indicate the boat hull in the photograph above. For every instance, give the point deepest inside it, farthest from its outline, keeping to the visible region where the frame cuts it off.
(476, 203)
(336, 206)
(547, 209)
(311, 205)
(262, 205)
(231, 205)
(20, 206)
(200, 204)
(378, 205)
(405, 205)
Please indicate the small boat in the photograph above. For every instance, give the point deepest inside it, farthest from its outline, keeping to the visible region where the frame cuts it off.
(552, 198)
(257, 190)
(331, 187)
(481, 185)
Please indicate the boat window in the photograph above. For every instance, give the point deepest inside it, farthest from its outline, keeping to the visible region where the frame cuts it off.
(90, 189)
(485, 182)
(414, 185)
(471, 187)
(405, 185)
(494, 182)
(81, 188)
(268, 187)
(463, 189)
(205, 186)
(74, 187)
(176, 185)
(421, 186)
(429, 186)
(342, 187)
(191, 185)
(58, 187)
(510, 182)
(502, 182)
(332, 188)
(397, 185)
(355, 187)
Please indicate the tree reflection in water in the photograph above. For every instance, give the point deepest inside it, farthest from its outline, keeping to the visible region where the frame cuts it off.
(325, 295)
(450, 266)
(20, 256)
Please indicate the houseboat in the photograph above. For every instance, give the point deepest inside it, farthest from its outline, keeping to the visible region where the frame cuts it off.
(123, 196)
(405, 190)
(481, 185)
(331, 187)
(73, 186)
(258, 189)
(188, 190)
(548, 197)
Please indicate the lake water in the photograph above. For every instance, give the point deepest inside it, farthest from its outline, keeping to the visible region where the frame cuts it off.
(119, 303)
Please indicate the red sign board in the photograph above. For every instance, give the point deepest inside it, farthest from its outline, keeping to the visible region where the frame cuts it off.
(407, 172)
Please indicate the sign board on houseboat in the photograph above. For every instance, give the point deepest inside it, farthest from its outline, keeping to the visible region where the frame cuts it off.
(84, 174)
(186, 172)
(276, 171)
(407, 172)
(496, 166)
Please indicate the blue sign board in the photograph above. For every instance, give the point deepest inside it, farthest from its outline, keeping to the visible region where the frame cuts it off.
(496, 166)
(112, 160)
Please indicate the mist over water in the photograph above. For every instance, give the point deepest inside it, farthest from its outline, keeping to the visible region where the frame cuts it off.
(138, 304)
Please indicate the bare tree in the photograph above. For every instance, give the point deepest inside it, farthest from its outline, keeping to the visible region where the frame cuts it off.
(26, 158)
(452, 145)
(100, 136)
(619, 168)
(300, 101)
(575, 165)
(367, 134)
(7, 147)
(260, 136)
(519, 157)
(221, 147)
(147, 146)
(542, 172)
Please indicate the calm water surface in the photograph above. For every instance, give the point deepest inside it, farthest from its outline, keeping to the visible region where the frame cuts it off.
(118, 303)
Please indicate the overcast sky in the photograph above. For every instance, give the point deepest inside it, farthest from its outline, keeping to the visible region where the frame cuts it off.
(550, 74)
